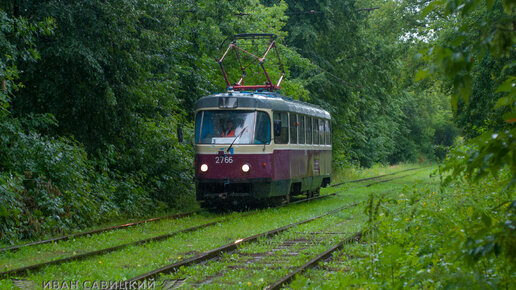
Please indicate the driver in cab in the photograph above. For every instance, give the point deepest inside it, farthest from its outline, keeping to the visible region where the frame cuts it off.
(230, 129)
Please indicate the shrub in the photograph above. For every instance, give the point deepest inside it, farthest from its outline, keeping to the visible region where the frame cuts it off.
(46, 184)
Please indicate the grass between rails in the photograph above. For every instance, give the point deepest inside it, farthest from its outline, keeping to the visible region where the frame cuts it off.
(132, 261)
(114, 222)
(228, 272)
(394, 183)
(47, 252)
(344, 174)
(260, 264)
(426, 237)
(136, 260)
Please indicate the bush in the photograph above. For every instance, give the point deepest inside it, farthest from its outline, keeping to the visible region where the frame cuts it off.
(46, 184)
(163, 164)
(458, 236)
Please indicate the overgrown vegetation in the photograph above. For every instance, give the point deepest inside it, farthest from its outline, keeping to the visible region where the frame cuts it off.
(132, 261)
(92, 93)
(429, 236)
(462, 232)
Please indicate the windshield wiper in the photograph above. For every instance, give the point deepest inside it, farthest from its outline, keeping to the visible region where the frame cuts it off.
(241, 133)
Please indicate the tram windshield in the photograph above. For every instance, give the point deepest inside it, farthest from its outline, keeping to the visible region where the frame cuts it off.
(226, 127)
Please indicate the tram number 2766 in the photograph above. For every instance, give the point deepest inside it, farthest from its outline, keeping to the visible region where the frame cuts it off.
(223, 159)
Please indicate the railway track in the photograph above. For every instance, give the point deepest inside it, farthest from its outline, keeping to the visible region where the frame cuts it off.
(293, 271)
(105, 229)
(376, 177)
(313, 262)
(97, 231)
(176, 216)
(187, 262)
(214, 253)
(282, 256)
(387, 180)
(82, 256)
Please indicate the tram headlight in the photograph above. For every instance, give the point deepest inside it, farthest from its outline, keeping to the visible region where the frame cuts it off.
(204, 167)
(246, 168)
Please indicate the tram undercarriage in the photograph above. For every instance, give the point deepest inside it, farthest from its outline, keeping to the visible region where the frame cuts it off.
(255, 192)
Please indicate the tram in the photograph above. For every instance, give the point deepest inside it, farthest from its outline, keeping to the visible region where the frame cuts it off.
(259, 146)
(254, 145)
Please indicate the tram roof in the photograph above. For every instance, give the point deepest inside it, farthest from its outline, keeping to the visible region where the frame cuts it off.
(263, 100)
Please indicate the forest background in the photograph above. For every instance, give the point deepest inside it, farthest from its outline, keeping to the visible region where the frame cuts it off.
(92, 93)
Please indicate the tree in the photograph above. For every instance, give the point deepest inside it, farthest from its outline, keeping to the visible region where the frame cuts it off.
(479, 66)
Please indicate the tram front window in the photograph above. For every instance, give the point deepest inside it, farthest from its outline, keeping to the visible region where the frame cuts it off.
(226, 127)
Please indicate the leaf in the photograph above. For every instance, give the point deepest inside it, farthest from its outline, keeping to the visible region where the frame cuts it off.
(469, 211)
(454, 102)
(507, 85)
(502, 102)
(509, 117)
(429, 8)
(466, 88)
(486, 220)
(3, 211)
(490, 4)
(421, 75)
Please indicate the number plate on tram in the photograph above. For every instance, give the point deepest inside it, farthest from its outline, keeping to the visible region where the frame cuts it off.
(223, 159)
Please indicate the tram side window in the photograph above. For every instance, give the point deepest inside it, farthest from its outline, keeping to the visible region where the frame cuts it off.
(327, 131)
(198, 121)
(263, 128)
(301, 121)
(316, 131)
(308, 130)
(283, 138)
(321, 131)
(293, 128)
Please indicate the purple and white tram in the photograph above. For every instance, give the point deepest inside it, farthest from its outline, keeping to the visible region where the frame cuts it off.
(259, 146)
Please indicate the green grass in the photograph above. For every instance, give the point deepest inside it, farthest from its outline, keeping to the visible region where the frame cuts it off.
(116, 221)
(351, 173)
(426, 236)
(260, 264)
(133, 261)
(419, 236)
(52, 251)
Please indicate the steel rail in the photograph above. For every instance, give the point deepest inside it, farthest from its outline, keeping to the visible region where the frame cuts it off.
(387, 180)
(374, 177)
(225, 248)
(35, 267)
(309, 199)
(96, 231)
(106, 229)
(288, 278)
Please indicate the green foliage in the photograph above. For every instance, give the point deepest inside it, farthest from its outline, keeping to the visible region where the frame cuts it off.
(51, 184)
(105, 85)
(17, 42)
(473, 55)
(456, 237)
(164, 165)
(478, 113)
(476, 59)
(365, 79)
(479, 66)
(489, 153)
(48, 185)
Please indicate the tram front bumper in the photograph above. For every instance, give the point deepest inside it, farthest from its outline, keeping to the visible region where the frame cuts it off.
(233, 188)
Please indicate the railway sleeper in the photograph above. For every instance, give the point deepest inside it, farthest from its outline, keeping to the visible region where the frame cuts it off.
(228, 248)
